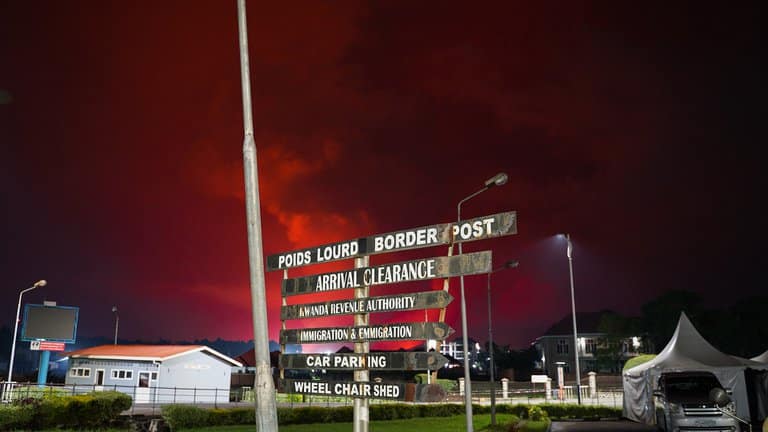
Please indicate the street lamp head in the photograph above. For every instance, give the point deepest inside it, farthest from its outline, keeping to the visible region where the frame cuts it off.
(511, 264)
(497, 180)
(40, 283)
(114, 308)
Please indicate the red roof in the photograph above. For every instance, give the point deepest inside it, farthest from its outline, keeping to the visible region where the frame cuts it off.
(145, 352)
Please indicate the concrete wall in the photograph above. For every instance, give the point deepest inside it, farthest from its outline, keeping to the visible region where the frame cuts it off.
(196, 376)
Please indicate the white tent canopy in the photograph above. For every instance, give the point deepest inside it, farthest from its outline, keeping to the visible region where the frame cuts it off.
(762, 358)
(687, 351)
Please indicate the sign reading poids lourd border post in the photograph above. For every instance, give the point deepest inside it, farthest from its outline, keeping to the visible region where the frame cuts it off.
(485, 227)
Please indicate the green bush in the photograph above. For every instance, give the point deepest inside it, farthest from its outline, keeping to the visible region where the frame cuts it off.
(14, 417)
(535, 413)
(186, 416)
(97, 410)
(635, 361)
(447, 384)
(564, 411)
(440, 410)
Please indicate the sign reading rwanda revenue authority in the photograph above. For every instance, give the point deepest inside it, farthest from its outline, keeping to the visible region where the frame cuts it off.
(495, 225)
(416, 270)
(382, 332)
(392, 303)
(373, 361)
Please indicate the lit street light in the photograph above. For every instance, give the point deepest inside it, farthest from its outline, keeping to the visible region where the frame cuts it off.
(508, 264)
(40, 283)
(569, 252)
(117, 321)
(497, 180)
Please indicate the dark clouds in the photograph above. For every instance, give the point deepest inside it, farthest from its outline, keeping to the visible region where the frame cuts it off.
(633, 128)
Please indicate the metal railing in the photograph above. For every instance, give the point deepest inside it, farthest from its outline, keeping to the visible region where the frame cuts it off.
(154, 397)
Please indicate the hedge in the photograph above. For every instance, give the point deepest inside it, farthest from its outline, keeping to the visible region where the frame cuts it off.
(185, 417)
(96, 410)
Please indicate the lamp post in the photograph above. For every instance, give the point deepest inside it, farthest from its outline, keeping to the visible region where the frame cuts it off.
(508, 264)
(497, 180)
(117, 321)
(40, 283)
(569, 252)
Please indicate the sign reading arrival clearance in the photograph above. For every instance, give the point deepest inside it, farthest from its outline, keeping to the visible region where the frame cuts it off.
(485, 227)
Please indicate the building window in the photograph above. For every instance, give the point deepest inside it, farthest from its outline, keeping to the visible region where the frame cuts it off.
(153, 376)
(122, 374)
(80, 372)
(562, 346)
(590, 346)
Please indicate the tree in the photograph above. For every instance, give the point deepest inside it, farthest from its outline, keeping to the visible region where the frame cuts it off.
(660, 316)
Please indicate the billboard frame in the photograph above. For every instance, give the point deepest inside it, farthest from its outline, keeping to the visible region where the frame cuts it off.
(27, 308)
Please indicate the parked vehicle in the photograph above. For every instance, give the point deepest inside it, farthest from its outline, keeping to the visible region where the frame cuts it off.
(683, 403)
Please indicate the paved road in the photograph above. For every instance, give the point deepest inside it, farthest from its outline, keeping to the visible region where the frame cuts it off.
(601, 426)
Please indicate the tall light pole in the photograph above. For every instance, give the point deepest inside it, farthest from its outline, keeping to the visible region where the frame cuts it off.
(264, 388)
(569, 252)
(508, 264)
(117, 321)
(497, 180)
(40, 283)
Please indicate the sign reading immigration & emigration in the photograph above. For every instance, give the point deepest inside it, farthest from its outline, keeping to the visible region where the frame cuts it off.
(374, 361)
(421, 269)
(392, 303)
(382, 332)
(495, 225)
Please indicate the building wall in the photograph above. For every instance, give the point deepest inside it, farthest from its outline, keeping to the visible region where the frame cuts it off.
(84, 384)
(196, 376)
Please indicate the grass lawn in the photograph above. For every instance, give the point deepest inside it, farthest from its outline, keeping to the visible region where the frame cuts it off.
(430, 424)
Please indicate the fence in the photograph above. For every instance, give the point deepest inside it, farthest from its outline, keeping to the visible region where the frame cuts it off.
(156, 396)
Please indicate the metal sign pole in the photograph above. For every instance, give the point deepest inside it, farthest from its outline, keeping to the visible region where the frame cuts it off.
(360, 413)
(264, 387)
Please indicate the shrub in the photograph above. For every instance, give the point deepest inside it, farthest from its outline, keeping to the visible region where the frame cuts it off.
(185, 416)
(14, 417)
(535, 413)
(635, 361)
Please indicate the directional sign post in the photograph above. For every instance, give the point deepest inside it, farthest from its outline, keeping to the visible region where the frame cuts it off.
(373, 390)
(485, 227)
(393, 303)
(382, 332)
(422, 269)
(378, 361)
(360, 279)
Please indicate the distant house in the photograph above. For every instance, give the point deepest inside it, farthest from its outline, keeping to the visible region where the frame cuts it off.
(153, 373)
(597, 350)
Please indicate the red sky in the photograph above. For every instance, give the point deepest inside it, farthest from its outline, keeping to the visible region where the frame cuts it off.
(633, 127)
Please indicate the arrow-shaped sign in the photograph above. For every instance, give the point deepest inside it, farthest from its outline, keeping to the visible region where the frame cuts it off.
(365, 390)
(401, 302)
(495, 225)
(416, 270)
(400, 331)
(374, 361)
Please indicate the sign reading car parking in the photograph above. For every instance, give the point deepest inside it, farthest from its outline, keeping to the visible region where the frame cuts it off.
(495, 225)
(421, 269)
(374, 361)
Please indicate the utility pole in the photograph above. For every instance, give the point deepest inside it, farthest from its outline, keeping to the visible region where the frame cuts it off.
(264, 387)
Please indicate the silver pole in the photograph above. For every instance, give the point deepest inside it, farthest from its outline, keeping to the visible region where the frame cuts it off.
(497, 180)
(117, 321)
(360, 413)
(490, 349)
(573, 312)
(264, 388)
(16, 327)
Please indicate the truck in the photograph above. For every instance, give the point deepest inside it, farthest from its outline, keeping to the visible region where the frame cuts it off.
(683, 403)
